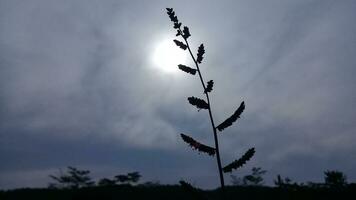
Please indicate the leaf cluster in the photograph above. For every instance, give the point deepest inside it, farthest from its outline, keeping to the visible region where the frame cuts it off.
(186, 33)
(173, 18)
(198, 146)
(200, 54)
(228, 122)
(177, 25)
(187, 69)
(209, 86)
(180, 44)
(238, 163)
(199, 103)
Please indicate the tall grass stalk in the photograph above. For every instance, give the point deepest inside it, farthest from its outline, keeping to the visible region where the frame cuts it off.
(184, 34)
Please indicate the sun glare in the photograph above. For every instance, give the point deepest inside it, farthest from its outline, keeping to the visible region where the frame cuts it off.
(167, 56)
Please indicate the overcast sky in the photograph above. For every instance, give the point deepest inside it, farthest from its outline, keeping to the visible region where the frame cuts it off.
(78, 88)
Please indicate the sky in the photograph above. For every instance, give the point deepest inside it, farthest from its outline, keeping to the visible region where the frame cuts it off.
(78, 88)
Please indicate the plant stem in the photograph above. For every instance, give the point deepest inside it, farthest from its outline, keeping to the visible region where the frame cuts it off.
(222, 183)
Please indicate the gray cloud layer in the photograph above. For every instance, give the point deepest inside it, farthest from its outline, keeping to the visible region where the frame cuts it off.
(77, 87)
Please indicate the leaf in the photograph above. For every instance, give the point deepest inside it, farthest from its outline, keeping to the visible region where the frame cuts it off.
(199, 103)
(177, 25)
(198, 146)
(187, 69)
(209, 86)
(180, 44)
(238, 163)
(174, 18)
(186, 32)
(178, 33)
(228, 122)
(200, 54)
(171, 15)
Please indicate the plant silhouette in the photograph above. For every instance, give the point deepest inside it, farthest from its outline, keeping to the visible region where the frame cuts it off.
(255, 178)
(110, 189)
(282, 182)
(128, 179)
(74, 178)
(204, 104)
(335, 178)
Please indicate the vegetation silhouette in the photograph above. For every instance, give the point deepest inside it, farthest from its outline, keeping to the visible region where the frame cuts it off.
(183, 32)
(73, 178)
(283, 182)
(335, 178)
(195, 193)
(129, 179)
(253, 179)
(78, 184)
(334, 187)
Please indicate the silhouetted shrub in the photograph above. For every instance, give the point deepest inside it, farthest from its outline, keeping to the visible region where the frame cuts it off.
(253, 179)
(335, 178)
(129, 178)
(282, 182)
(73, 178)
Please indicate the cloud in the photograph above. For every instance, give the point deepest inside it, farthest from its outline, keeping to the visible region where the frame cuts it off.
(77, 86)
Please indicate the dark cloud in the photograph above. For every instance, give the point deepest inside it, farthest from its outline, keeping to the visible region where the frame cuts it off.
(77, 87)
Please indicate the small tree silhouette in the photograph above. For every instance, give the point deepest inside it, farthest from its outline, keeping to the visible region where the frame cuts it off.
(281, 182)
(74, 178)
(129, 178)
(235, 180)
(254, 179)
(204, 104)
(335, 178)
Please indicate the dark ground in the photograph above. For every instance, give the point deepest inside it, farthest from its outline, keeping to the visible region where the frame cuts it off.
(173, 192)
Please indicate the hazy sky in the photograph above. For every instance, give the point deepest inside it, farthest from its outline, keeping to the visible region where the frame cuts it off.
(78, 88)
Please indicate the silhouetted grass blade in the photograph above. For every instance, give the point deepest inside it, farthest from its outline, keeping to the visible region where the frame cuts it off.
(202, 104)
(199, 103)
(238, 163)
(197, 145)
(228, 122)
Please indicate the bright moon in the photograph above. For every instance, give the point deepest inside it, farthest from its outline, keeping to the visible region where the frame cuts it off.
(167, 56)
